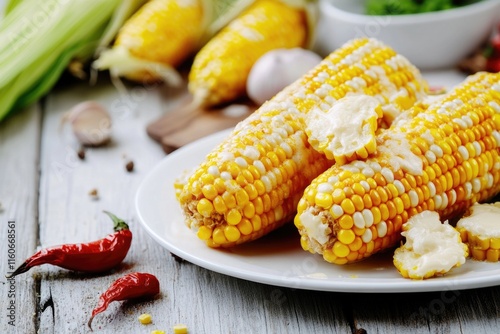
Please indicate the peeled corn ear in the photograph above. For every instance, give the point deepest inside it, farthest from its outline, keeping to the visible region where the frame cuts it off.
(156, 39)
(250, 184)
(220, 69)
(443, 158)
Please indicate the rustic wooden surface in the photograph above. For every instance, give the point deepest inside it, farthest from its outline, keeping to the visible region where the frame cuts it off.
(45, 189)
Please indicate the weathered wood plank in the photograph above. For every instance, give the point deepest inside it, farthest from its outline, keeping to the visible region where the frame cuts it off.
(19, 152)
(448, 311)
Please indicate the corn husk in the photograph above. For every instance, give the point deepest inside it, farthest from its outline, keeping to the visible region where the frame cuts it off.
(39, 39)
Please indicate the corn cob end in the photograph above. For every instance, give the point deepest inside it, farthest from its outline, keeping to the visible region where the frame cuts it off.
(480, 230)
(431, 249)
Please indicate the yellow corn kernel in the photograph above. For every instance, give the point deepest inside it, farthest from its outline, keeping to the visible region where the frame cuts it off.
(145, 319)
(205, 207)
(398, 191)
(220, 69)
(157, 331)
(232, 233)
(245, 227)
(155, 40)
(233, 217)
(271, 146)
(204, 233)
(180, 329)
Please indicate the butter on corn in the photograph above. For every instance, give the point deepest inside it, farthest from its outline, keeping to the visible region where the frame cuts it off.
(444, 158)
(155, 40)
(480, 230)
(250, 184)
(431, 248)
(347, 130)
(220, 69)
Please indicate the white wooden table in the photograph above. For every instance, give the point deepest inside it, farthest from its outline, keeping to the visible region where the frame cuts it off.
(44, 190)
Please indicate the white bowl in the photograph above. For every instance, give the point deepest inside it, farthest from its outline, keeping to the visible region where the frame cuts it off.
(429, 40)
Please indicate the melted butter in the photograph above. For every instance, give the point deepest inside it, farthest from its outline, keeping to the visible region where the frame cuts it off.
(314, 227)
(431, 246)
(345, 127)
(484, 220)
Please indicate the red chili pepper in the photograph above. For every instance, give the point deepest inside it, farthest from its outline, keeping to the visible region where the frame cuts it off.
(493, 65)
(97, 256)
(131, 286)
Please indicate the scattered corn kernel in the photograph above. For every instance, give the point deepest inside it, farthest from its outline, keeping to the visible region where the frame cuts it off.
(145, 319)
(157, 331)
(180, 329)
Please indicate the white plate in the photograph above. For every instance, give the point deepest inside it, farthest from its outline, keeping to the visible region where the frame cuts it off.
(277, 259)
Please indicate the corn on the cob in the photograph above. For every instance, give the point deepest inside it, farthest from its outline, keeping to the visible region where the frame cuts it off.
(443, 159)
(251, 183)
(431, 248)
(156, 39)
(220, 69)
(480, 230)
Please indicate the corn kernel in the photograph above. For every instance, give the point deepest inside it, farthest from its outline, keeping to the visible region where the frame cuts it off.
(324, 200)
(348, 206)
(219, 205)
(204, 233)
(145, 318)
(242, 197)
(229, 200)
(358, 202)
(245, 227)
(205, 207)
(346, 236)
(232, 233)
(340, 249)
(180, 329)
(218, 236)
(257, 222)
(233, 217)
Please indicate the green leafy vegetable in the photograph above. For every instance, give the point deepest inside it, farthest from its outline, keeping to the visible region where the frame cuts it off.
(399, 7)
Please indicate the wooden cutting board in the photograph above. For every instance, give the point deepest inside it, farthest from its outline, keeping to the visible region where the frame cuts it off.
(185, 124)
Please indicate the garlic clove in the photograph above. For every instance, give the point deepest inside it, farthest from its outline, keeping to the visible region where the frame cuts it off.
(91, 123)
(277, 69)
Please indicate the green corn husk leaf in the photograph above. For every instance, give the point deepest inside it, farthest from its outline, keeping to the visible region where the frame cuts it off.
(39, 39)
(82, 50)
(10, 5)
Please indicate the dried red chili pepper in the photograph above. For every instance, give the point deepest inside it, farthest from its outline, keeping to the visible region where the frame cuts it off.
(131, 286)
(97, 256)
